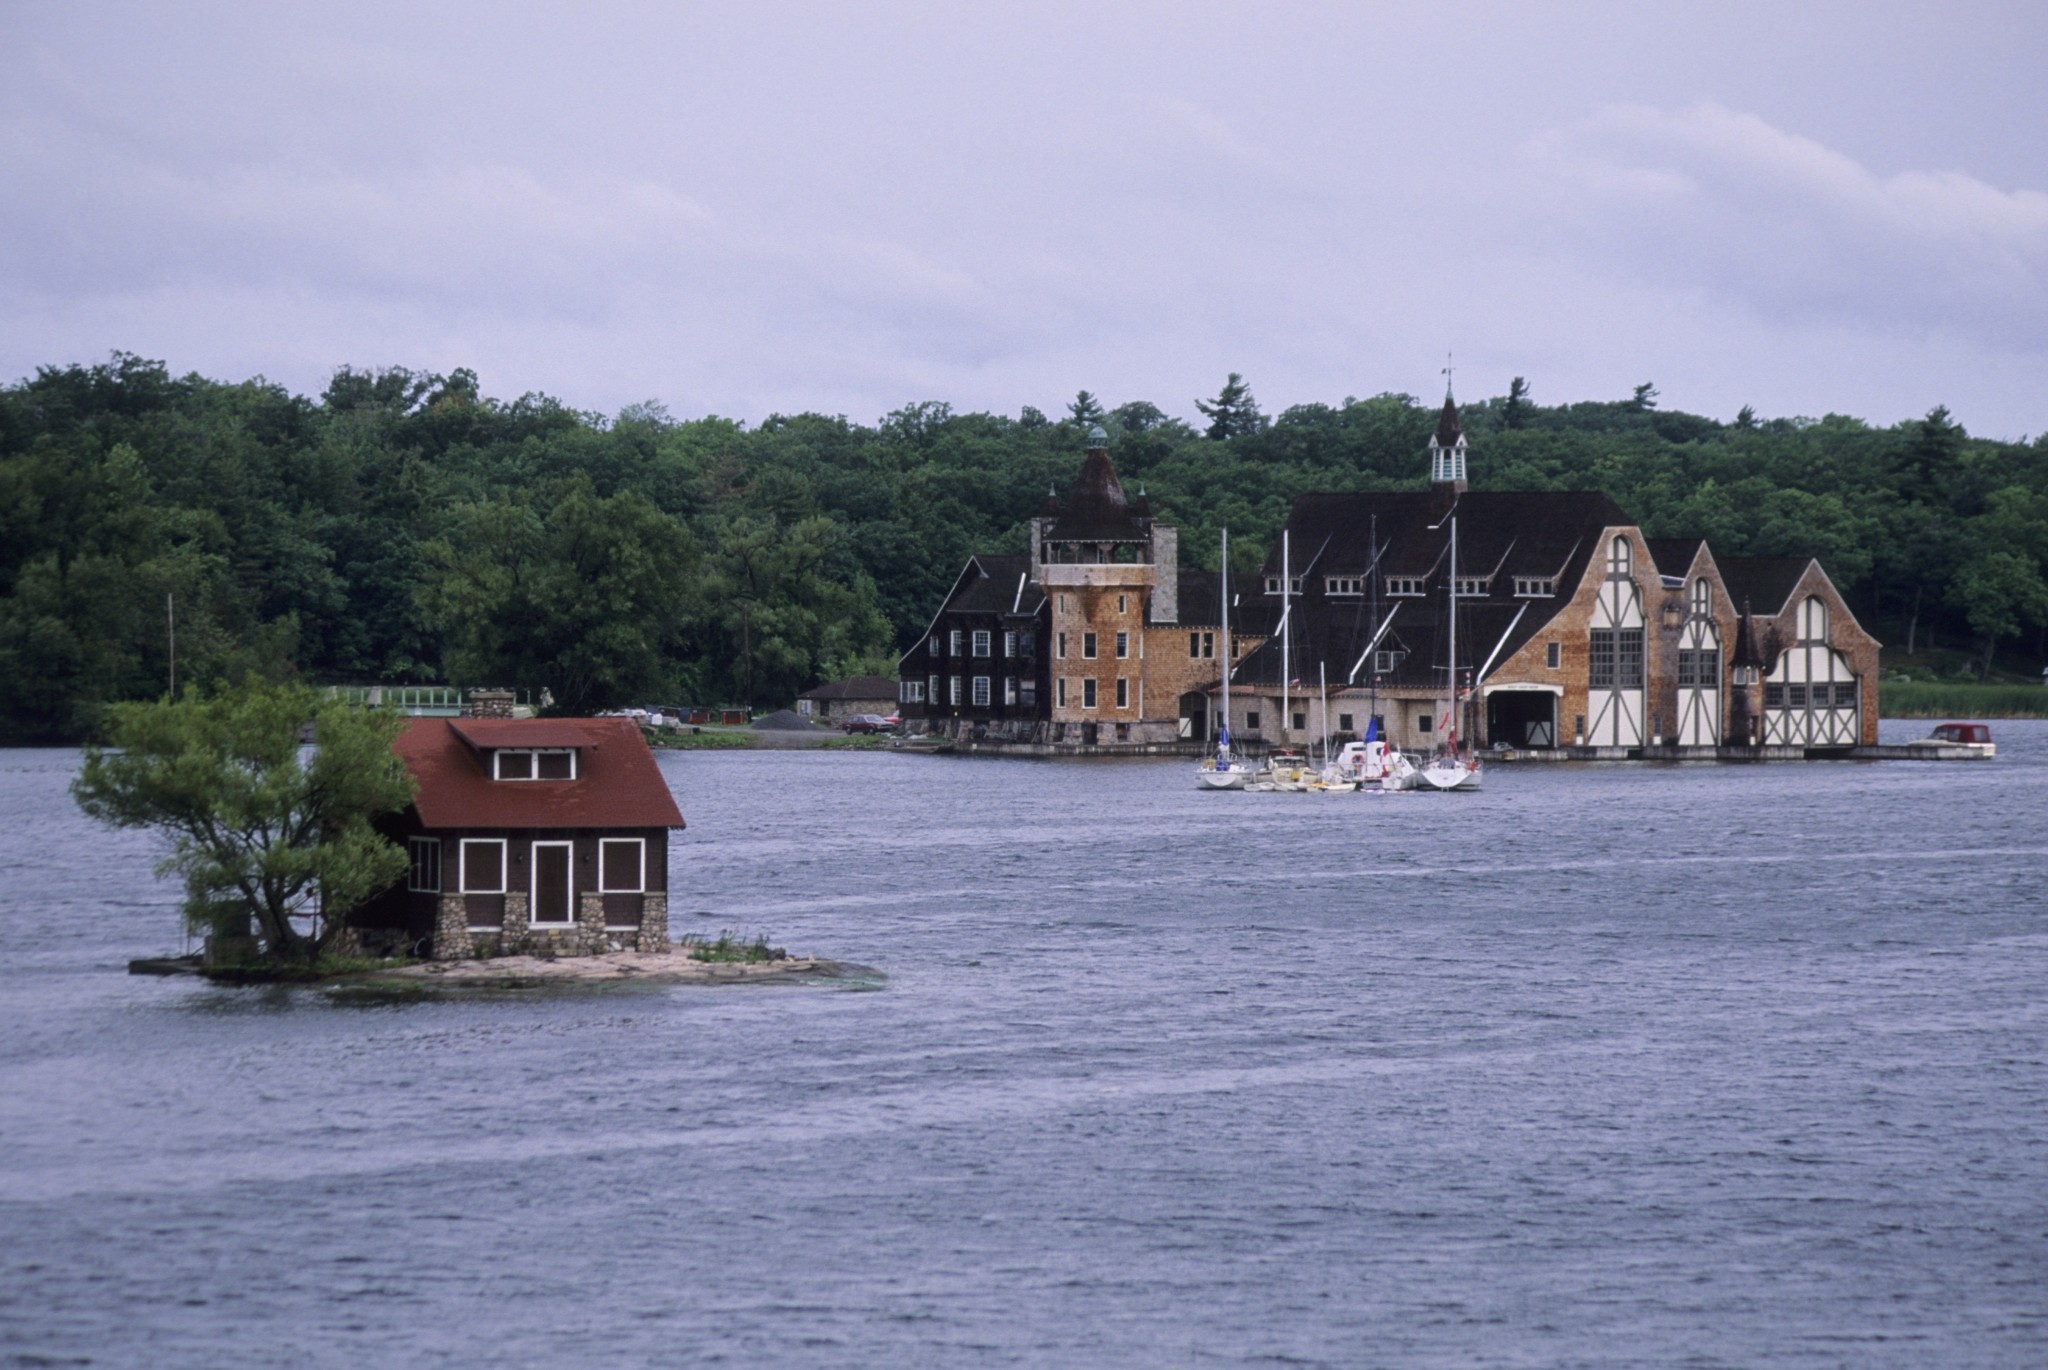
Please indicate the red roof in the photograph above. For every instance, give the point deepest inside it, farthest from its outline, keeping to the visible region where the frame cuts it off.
(617, 784)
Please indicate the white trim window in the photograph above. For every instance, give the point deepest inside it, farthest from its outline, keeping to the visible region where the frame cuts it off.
(1123, 604)
(1123, 692)
(533, 763)
(1009, 690)
(1059, 692)
(953, 643)
(1386, 661)
(1060, 646)
(1471, 587)
(1399, 586)
(1273, 585)
(1009, 645)
(913, 692)
(981, 641)
(1344, 585)
(981, 692)
(483, 865)
(1553, 656)
(621, 865)
(1087, 646)
(1535, 587)
(1088, 693)
(1123, 646)
(424, 875)
(953, 691)
(932, 693)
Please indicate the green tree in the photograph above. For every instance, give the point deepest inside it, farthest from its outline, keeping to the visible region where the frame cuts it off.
(1085, 409)
(256, 825)
(1515, 412)
(1233, 413)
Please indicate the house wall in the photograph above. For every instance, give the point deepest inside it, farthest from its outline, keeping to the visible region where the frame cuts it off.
(451, 924)
(1085, 599)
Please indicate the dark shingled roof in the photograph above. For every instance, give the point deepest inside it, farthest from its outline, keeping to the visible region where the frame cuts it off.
(1766, 582)
(617, 784)
(1501, 535)
(1447, 429)
(989, 586)
(854, 687)
(1096, 510)
(1674, 556)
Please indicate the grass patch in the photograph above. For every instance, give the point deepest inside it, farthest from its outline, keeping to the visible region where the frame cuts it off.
(856, 742)
(298, 972)
(1959, 699)
(703, 741)
(728, 947)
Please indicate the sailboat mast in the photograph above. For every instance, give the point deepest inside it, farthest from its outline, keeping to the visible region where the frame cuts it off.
(1286, 591)
(1226, 628)
(1453, 635)
(1372, 576)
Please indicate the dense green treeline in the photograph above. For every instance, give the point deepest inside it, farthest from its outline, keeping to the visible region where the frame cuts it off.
(405, 527)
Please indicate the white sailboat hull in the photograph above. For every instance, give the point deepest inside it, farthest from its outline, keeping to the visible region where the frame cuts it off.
(1222, 778)
(1452, 775)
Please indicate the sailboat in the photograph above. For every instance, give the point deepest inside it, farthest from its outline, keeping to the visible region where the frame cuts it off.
(1449, 769)
(1222, 771)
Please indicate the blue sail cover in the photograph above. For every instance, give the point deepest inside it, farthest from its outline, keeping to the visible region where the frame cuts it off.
(1223, 741)
(1372, 728)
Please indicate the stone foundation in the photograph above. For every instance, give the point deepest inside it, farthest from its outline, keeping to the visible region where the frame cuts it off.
(653, 934)
(451, 929)
(516, 935)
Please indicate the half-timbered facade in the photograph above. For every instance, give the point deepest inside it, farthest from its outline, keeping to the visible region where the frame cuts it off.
(1572, 628)
(527, 835)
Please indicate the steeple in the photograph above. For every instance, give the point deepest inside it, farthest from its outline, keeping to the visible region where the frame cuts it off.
(1447, 449)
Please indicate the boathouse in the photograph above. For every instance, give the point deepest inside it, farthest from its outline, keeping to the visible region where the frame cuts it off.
(537, 836)
(860, 694)
(1573, 630)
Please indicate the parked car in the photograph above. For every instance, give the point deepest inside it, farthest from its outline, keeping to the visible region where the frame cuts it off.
(868, 723)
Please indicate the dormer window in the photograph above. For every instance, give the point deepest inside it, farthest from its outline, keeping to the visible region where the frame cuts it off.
(1273, 585)
(534, 763)
(1404, 585)
(1471, 587)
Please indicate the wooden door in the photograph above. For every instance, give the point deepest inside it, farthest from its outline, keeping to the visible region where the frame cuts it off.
(552, 901)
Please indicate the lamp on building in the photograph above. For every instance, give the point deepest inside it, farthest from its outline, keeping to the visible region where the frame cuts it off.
(1674, 614)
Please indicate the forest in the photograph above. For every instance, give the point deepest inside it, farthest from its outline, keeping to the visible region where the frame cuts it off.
(405, 527)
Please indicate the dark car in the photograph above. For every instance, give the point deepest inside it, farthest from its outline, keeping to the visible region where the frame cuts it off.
(867, 723)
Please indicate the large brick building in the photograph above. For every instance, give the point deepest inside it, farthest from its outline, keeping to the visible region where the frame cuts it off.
(1572, 627)
(1096, 638)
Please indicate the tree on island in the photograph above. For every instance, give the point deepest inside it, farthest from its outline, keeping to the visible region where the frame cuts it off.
(258, 823)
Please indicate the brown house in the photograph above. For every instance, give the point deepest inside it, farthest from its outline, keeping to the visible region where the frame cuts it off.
(545, 835)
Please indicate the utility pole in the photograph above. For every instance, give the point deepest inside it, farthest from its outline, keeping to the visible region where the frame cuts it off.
(747, 657)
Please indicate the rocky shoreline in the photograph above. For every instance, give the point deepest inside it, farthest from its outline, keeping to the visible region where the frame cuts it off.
(535, 972)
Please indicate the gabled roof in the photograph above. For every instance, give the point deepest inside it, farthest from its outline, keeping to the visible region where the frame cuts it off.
(617, 784)
(1502, 535)
(854, 687)
(1765, 582)
(996, 585)
(1674, 556)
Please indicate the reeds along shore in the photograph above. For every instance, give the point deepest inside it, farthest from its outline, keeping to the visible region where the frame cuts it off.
(1934, 699)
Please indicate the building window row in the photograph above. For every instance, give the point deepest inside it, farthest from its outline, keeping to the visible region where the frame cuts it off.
(1406, 585)
(1273, 585)
(981, 642)
(1535, 587)
(1839, 694)
(1344, 585)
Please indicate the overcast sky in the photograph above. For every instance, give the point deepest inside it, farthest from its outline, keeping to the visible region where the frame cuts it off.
(749, 208)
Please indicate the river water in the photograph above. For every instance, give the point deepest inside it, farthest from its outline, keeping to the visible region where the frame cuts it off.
(1603, 1066)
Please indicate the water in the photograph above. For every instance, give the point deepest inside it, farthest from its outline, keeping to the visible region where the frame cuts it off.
(1598, 1067)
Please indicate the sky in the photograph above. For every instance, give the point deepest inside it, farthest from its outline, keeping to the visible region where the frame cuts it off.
(776, 208)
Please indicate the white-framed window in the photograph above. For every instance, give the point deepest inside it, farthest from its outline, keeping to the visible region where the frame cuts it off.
(953, 690)
(1388, 660)
(621, 865)
(1553, 655)
(1060, 646)
(1471, 587)
(1088, 693)
(1535, 587)
(1405, 585)
(912, 692)
(1123, 604)
(534, 763)
(1123, 692)
(1620, 558)
(483, 865)
(1010, 644)
(1201, 646)
(932, 689)
(981, 692)
(1344, 585)
(1702, 598)
(1009, 689)
(935, 644)
(424, 876)
(1087, 646)
(1123, 646)
(953, 643)
(1059, 692)
(1273, 585)
(1813, 620)
(981, 641)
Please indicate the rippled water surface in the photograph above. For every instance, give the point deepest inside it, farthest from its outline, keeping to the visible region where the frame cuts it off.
(1602, 1066)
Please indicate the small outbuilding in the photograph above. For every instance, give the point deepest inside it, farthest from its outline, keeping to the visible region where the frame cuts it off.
(537, 836)
(860, 694)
